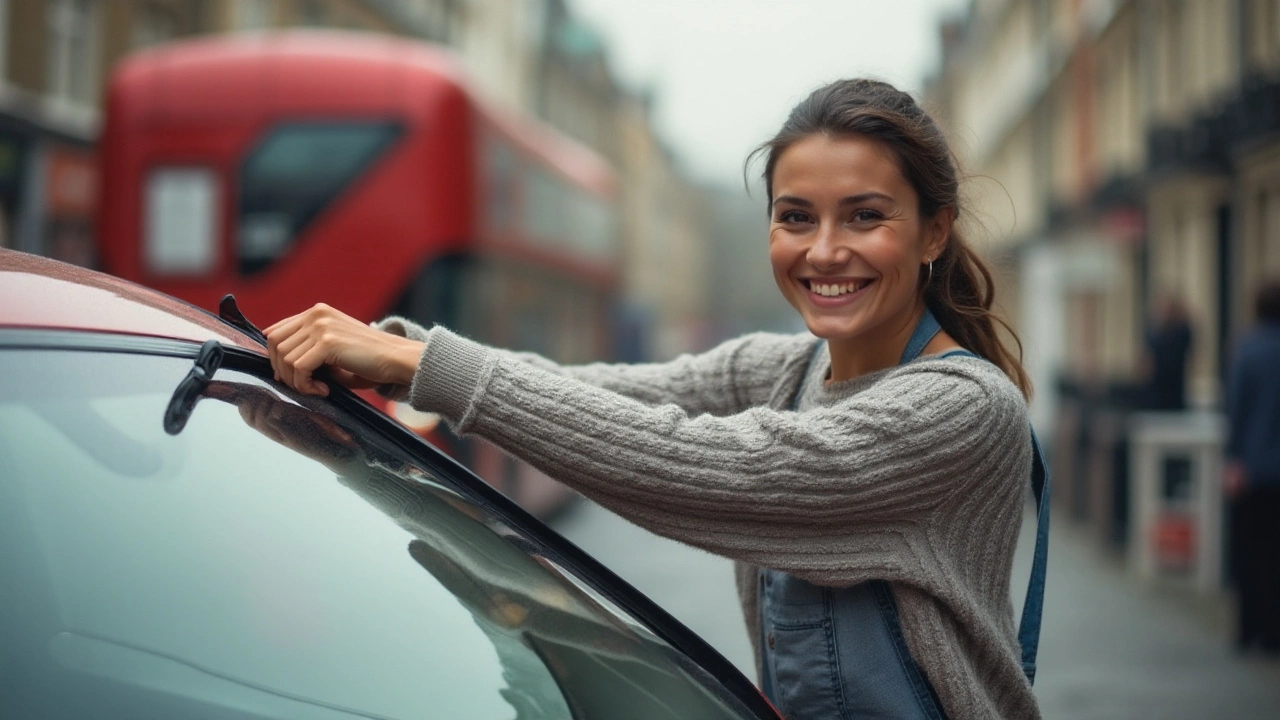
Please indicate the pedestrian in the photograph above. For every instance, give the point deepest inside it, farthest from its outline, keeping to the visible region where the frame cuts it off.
(1168, 348)
(868, 476)
(1252, 476)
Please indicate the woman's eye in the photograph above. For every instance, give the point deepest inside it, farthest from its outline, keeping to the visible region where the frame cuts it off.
(793, 216)
(866, 216)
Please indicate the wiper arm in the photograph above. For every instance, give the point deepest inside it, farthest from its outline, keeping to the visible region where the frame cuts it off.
(230, 312)
(185, 396)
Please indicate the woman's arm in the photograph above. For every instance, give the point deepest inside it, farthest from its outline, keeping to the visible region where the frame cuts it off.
(825, 494)
(833, 495)
(716, 382)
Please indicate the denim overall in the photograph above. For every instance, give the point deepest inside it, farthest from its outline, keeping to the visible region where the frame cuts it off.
(829, 652)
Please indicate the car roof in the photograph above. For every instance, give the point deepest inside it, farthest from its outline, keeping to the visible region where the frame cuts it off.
(37, 292)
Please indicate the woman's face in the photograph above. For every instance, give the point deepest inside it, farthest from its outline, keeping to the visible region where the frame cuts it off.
(846, 239)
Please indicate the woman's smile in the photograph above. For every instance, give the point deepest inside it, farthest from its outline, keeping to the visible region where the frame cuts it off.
(835, 292)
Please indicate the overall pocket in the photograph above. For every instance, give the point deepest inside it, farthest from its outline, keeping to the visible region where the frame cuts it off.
(806, 669)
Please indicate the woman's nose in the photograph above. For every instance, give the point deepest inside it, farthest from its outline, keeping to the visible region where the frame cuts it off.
(827, 250)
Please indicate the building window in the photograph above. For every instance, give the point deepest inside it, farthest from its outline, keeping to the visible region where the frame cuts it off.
(72, 49)
(1269, 223)
(153, 24)
(254, 14)
(1171, 38)
(313, 13)
(4, 40)
(1264, 24)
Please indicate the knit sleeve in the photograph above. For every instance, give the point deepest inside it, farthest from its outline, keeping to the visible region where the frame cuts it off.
(729, 378)
(809, 492)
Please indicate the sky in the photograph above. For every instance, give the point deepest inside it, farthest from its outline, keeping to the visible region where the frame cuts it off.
(726, 72)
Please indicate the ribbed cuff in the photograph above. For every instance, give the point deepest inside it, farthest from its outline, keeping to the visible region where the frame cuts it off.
(450, 374)
(404, 328)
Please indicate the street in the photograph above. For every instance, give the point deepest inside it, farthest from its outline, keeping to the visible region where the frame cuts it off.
(1110, 647)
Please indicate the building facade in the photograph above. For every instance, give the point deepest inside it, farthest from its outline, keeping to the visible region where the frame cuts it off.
(536, 57)
(1130, 154)
(665, 220)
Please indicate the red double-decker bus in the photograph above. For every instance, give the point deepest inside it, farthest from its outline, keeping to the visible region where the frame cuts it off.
(298, 167)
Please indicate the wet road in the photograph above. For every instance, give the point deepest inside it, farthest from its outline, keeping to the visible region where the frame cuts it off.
(1111, 648)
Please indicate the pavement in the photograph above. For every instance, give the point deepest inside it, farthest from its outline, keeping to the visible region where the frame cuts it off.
(1111, 647)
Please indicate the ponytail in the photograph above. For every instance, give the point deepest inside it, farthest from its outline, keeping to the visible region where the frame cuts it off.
(961, 294)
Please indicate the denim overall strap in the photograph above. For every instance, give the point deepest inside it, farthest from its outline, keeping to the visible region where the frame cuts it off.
(1033, 606)
(924, 331)
(926, 328)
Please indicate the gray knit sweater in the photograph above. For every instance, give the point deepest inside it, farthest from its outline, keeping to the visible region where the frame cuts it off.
(916, 475)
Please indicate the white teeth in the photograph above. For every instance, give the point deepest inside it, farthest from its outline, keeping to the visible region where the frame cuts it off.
(834, 290)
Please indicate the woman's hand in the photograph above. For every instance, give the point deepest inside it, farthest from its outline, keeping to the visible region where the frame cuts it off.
(358, 356)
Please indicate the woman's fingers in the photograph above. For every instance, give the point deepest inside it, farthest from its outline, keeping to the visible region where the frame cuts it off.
(286, 347)
(305, 360)
(281, 323)
(357, 355)
(286, 337)
(295, 373)
(282, 331)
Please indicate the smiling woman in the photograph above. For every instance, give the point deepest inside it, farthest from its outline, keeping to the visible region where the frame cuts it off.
(846, 242)
(890, 182)
(868, 476)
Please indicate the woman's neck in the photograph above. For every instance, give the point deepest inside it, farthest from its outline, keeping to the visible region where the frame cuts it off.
(877, 349)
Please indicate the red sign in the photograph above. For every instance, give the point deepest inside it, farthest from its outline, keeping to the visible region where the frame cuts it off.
(72, 187)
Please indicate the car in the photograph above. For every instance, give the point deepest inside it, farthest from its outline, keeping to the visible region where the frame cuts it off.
(182, 537)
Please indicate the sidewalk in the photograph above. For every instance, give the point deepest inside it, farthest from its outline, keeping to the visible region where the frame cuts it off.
(1114, 648)
(1111, 649)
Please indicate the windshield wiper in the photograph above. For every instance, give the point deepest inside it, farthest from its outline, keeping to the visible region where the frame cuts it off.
(230, 312)
(185, 396)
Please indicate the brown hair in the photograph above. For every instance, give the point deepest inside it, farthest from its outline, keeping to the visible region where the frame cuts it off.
(960, 292)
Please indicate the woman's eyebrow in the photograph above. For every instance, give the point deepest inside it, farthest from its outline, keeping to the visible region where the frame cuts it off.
(792, 200)
(863, 197)
(851, 200)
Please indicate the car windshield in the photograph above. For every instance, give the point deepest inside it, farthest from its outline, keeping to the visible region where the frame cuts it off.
(279, 559)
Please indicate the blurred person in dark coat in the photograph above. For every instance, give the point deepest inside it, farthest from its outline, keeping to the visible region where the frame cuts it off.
(1168, 346)
(1252, 476)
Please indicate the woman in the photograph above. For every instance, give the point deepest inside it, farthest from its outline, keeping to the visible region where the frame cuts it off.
(869, 481)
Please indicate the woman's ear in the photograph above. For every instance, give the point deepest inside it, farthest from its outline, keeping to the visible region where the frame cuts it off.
(939, 232)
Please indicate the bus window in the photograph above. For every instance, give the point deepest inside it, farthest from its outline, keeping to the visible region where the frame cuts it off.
(292, 174)
(502, 173)
(181, 215)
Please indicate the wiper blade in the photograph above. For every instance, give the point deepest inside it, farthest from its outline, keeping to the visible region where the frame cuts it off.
(230, 312)
(185, 396)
